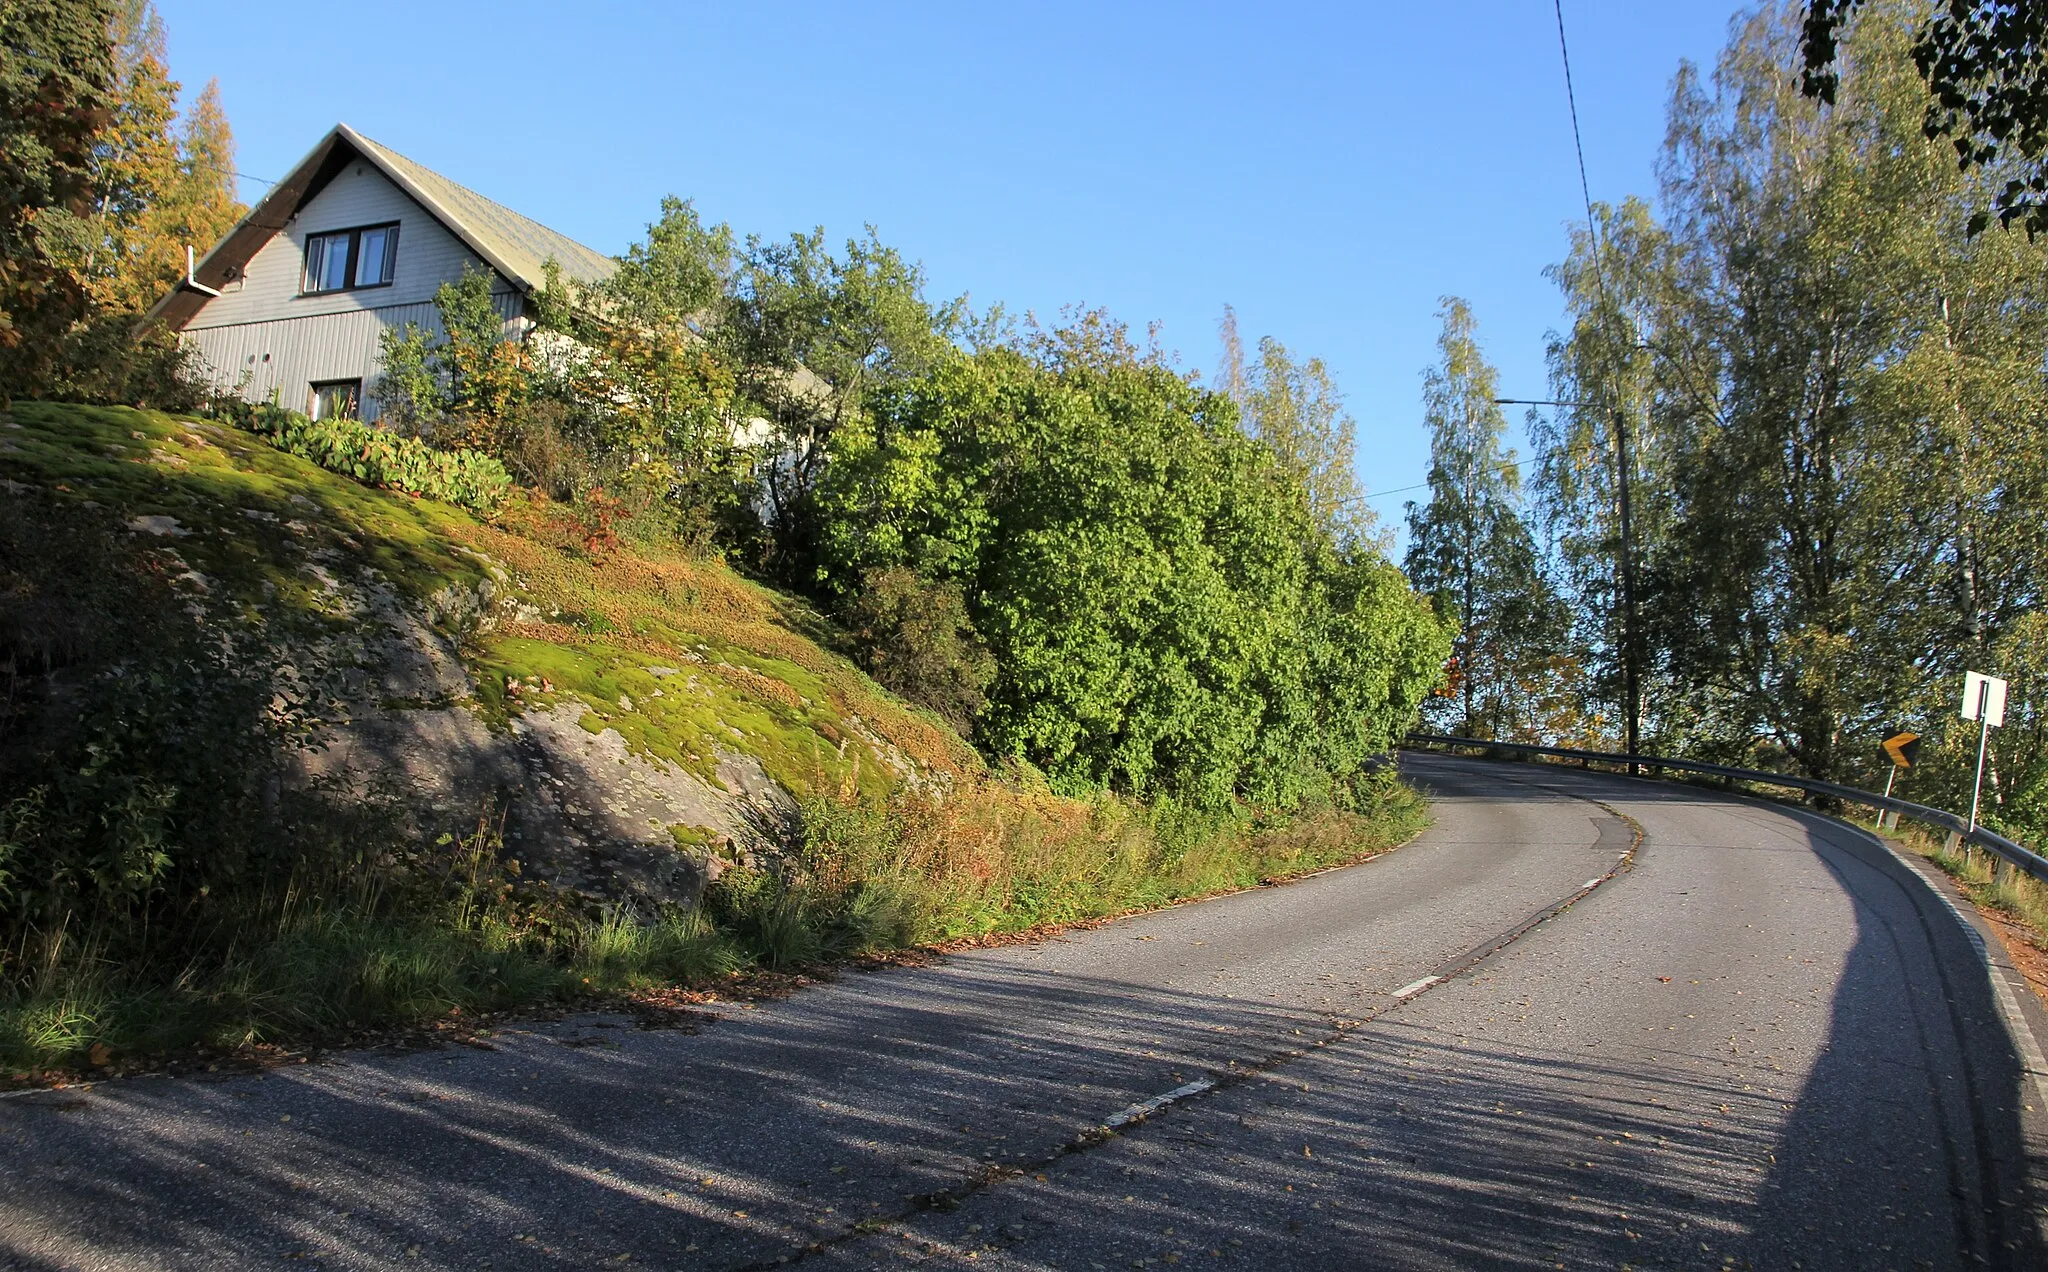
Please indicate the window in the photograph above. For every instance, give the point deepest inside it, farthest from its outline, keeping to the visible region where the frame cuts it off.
(337, 399)
(343, 259)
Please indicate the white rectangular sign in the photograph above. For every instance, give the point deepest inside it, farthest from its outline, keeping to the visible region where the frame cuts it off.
(1985, 693)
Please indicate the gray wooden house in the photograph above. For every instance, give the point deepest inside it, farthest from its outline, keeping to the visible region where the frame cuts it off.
(354, 241)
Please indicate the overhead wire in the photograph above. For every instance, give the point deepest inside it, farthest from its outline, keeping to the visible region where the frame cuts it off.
(243, 176)
(1576, 451)
(1571, 99)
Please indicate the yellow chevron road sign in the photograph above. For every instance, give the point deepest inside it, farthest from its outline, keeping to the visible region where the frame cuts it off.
(1904, 748)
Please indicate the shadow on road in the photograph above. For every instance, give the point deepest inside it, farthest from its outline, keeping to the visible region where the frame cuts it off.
(1411, 1143)
(595, 1139)
(1917, 1058)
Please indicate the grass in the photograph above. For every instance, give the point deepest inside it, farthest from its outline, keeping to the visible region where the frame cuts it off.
(2019, 899)
(337, 976)
(911, 871)
(337, 952)
(334, 921)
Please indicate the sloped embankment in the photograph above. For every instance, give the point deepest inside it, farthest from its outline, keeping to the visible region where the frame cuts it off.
(636, 719)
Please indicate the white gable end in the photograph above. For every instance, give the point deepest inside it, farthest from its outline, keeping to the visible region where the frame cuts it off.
(244, 311)
(428, 255)
(265, 337)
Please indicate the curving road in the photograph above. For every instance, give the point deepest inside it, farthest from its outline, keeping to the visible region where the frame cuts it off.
(1581, 1022)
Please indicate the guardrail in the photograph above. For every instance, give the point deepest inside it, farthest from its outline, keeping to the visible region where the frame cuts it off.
(2012, 855)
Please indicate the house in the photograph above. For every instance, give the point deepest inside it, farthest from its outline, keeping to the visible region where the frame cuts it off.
(353, 242)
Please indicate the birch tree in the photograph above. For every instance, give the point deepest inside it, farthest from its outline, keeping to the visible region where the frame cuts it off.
(1836, 391)
(1471, 551)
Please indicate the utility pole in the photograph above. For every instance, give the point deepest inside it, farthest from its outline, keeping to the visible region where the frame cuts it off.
(1631, 649)
(1471, 532)
(1631, 653)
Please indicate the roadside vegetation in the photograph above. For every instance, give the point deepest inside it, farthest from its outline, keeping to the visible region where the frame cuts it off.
(1031, 625)
(163, 885)
(2018, 903)
(2018, 898)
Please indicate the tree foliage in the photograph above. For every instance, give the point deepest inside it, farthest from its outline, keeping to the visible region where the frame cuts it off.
(56, 98)
(1165, 613)
(1297, 411)
(105, 188)
(708, 372)
(1985, 63)
(1612, 285)
(1053, 540)
(1471, 551)
(1835, 390)
(814, 337)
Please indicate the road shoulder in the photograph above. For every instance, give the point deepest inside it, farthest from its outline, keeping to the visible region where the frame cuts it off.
(2026, 1018)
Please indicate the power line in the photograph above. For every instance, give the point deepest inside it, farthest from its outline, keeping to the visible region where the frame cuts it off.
(1592, 226)
(1631, 685)
(214, 167)
(1571, 99)
(1576, 452)
(1402, 490)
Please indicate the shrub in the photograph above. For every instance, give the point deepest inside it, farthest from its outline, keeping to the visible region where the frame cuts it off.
(542, 451)
(106, 361)
(371, 455)
(915, 637)
(1167, 615)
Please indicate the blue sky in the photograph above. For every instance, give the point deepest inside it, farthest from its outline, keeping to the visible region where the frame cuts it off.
(1329, 170)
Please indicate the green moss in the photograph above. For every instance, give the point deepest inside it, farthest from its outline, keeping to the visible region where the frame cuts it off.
(684, 718)
(260, 525)
(250, 513)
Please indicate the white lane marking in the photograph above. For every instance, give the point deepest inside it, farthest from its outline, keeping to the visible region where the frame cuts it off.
(1412, 988)
(1147, 1108)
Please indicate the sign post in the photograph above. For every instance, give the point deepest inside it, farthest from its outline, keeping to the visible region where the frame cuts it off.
(1984, 702)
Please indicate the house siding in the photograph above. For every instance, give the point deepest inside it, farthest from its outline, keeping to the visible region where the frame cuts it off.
(282, 360)
(262, 336)
(428, 255)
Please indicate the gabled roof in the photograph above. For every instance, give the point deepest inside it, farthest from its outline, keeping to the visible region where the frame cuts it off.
(513, 245)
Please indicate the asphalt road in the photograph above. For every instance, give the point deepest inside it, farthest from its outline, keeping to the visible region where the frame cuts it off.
(1758, 1040)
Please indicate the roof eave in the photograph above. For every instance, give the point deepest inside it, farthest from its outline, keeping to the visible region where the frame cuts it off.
(276, 209)
(234, 252)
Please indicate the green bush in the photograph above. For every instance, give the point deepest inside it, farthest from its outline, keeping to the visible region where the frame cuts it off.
(354, 449)
(1163, 612)
(915, 637)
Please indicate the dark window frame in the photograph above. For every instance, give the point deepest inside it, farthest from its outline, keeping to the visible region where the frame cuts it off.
(354, 384)
(354, 235)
